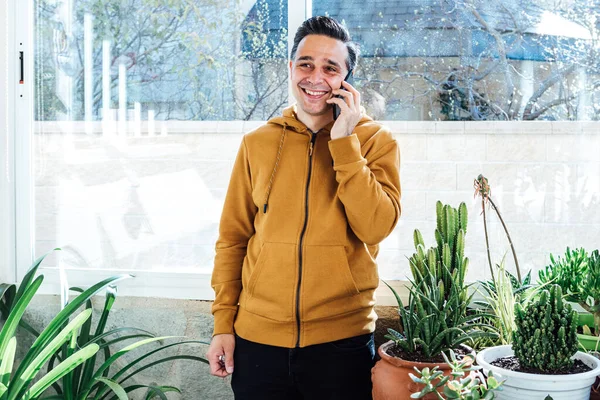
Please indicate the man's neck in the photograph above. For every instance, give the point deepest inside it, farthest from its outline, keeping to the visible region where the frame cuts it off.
(314, 122)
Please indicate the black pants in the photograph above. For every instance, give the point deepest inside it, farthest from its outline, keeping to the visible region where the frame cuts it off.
(328, 371)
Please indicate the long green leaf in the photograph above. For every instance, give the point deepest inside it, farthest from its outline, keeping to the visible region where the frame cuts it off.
(12, 322)
(28, 278)
(71, 380)
(115, 387)
(102, 336)
(61, 369)
(164, 360)
(68, 379)
(3, 389)
(21, 381)
(127, 337)
(8, 358)
(7, 297)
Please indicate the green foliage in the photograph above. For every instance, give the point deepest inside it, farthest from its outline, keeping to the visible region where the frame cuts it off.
(501, 294)
(436, 319)
(474, 386)
(546, 335)
(568, 272)
(17, 383)
(578, 275)
(445, 263)
(70, 348)
(101, 376)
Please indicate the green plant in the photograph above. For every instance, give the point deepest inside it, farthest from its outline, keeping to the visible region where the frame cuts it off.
(483, 189)
(501, 294)
(436, 319)
(568, 272)
(17, 383)
(473, 386)
(446, 263)
(99, 380)
(73, 346)
(546, 334)
(579, 277)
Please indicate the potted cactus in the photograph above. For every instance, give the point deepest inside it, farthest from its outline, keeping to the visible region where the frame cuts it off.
(543, 359)
(435, 319)
(579, 277)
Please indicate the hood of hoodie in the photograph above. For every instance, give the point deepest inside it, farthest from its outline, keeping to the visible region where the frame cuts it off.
(290, 120)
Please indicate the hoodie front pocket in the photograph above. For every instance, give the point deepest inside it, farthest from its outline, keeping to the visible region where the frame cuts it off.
(270, 291)
(326, 278)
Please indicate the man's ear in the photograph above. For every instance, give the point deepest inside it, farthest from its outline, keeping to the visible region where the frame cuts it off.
(291, 66)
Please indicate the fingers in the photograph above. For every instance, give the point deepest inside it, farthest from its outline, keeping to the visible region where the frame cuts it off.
(340, 102)
(220, 355)
(347, 97)
(215, 365)
(228, 362)
(355, 93)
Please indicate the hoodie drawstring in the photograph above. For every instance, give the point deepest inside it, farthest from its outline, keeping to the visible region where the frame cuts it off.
(279, 151)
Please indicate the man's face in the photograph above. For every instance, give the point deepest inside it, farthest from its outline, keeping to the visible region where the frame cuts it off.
(318, 68)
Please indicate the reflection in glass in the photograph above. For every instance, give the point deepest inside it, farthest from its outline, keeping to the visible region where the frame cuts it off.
(475, 59)
(129, 173)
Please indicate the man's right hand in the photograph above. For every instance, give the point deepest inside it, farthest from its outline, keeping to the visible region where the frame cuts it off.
(220, 355)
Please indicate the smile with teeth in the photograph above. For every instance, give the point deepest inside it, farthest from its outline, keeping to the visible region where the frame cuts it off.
(314, 93)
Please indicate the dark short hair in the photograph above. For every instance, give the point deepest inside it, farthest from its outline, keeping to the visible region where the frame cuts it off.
(327, 26)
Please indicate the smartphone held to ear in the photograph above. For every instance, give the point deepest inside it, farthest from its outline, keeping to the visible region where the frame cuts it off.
(336, 108)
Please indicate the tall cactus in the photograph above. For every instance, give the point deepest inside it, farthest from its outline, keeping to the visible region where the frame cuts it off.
(446, 263)
(435, 319)
(546, 335)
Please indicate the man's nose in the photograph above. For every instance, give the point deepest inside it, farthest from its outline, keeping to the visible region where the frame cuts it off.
(316, 76)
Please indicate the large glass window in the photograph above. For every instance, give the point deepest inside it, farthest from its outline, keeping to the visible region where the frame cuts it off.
(127, 171)
(456, 60)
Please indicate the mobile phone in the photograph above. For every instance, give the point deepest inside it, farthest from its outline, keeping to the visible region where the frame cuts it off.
(336, 108)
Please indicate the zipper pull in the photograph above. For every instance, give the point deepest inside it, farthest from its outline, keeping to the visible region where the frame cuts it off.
(310, 149)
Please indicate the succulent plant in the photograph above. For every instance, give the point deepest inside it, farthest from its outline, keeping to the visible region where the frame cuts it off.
(546, 334)
(579, 277)
(473, 386)
(446, 263)
(435, 319)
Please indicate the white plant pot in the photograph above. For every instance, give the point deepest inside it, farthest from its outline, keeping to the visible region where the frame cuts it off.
(523, 386)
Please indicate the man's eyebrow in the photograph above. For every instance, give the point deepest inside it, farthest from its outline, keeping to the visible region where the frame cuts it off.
(329, 61)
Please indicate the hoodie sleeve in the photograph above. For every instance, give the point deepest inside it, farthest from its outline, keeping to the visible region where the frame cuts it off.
(235, 230)
(369, 186)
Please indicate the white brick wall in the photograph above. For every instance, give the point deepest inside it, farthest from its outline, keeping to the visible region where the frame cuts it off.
(155, 201)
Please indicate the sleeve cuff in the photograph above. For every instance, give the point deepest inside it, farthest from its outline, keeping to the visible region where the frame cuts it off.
(345, 150)
(224, 322)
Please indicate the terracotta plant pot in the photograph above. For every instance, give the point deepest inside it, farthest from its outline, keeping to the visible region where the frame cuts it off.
(390, 376)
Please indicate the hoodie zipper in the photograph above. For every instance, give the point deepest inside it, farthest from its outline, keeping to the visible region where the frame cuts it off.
(310, 154)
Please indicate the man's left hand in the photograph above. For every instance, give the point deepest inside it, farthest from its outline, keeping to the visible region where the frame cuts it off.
(350, 111)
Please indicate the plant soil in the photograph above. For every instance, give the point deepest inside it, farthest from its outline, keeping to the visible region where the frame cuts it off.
(396, 351)
(512, 363)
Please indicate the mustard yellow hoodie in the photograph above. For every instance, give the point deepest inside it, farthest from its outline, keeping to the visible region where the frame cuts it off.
(302, 220)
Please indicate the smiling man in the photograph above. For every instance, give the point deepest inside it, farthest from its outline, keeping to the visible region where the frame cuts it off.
(309, 201)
